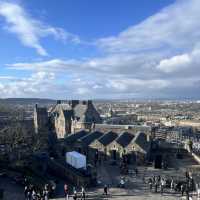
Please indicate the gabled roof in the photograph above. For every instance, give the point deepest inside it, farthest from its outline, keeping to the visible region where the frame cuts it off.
(108, 138)
(88, 139)
(141, 140)
(68, 114)
(58, 107)
(79, 112)
(124, 139)
(41, 110)
(74, 137)
(83, 112)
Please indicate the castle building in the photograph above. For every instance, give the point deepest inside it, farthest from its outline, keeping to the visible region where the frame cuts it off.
(73, 116)
(134, 148)
(40, 119)
(63, 121)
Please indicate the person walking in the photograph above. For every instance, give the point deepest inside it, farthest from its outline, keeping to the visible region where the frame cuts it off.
(45, 194)
(26, 192)
(162, 185)
(66, 191)
(29, 194)
(156, 185)
(83, 193)
(150, 184)
(34, 195)
(159, 178)
(172, 185)
(75, 195)
(198, 191)
(106, 190)
(182, 189)
(187, 192)
(136, 172)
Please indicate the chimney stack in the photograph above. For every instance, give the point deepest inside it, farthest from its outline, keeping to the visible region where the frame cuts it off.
(58, 102)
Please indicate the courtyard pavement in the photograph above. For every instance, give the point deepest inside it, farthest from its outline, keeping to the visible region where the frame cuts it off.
(136, 188)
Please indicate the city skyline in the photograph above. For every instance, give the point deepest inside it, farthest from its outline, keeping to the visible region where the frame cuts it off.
(100, 49)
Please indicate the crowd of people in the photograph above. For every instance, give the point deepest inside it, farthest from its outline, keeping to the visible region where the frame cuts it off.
(74, 194)
(31, 192)
(159, 184)
(82, 194)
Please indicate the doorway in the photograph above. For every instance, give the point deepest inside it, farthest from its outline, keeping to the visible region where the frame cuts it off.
(114, 154)
(158, 162)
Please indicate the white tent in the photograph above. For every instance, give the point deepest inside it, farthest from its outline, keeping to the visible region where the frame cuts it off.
(76, 159)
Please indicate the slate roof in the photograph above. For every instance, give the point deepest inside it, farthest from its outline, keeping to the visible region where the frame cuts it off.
(79, 112)
(74, 137)
(88, 139)
(58, 107)
(124, 139)
(68, 114)
(141, 140)
(41, 110)
(108, 138)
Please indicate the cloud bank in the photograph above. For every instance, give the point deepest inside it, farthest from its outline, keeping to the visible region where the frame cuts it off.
(29, 30)
(159, 57)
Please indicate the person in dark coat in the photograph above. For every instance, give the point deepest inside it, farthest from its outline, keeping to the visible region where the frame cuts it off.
(106, 190)
(66, 191)
(156, 185)
(75, 195)
(187, 192)
(29, 195)
(26, 191)
(150, 182)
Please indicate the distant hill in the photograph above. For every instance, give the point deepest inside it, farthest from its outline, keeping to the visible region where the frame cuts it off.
(26, 101)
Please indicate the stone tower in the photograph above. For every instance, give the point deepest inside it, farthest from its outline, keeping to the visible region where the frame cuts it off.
(40, 119)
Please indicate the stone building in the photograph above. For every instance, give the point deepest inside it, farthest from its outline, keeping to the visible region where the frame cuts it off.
(70, 142)
(85, 115)
(101, 144)
(63, 121)
(118, 148)
(40, 119)
(83, 145)
(73, 116)
(122, 128)
(140, 146)
(110, 146)
(129, 147)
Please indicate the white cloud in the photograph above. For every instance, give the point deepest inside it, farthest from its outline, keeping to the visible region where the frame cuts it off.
(37, 83)
(176, 27)
(82, 91)
(29, 30)
(127, 84)
(188, 62)
(7, 78)
(159, 57)
(50, 65)
(175, 63)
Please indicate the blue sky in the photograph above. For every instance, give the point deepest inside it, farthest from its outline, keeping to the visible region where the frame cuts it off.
(99, 49)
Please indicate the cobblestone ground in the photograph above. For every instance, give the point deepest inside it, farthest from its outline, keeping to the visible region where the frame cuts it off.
(11, 190)
(136, 188)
